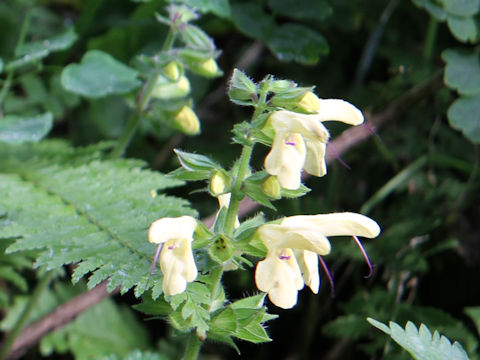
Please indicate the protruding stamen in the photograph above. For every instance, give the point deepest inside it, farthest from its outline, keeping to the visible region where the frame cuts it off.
(290, 140)
(329, 276)
(365, 256)
(154, 263)
(372, 131)
(171, 247)
(337, 156)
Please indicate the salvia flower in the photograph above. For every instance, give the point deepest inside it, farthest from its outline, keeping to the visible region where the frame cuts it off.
(175, 235)
(300, 140)
(293, 247)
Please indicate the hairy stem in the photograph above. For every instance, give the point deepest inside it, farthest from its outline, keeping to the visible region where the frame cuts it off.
(237, 195)
(193, 347)
(42, 285)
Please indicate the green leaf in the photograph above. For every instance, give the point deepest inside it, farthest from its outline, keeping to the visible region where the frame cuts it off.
(302, 9)
(474, 313)
(98, 211)
(195, 162)
(98, 75)
(251, 20)
(464, 115)
(217, 7)
(57, 43)
(463, 28)
(433, 9)
(462, 71)
(420, 343)
(104, 329)
(251, 302)
(20, 129)
(1, 65)
(153, 307)
(462, 7)
(195, 38)
(293, 42)
(242, 90)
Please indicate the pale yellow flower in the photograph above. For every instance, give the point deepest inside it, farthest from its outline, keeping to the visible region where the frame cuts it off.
(224, 201)
(176, 258)
(300, 140)
(292, 249)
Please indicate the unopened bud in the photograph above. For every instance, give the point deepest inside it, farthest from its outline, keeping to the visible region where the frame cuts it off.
(187, 121)
(271, 188)
(207, 68)
(165, 89)
(309, 102)
(298, 100)
(172, 71)
(218, 183)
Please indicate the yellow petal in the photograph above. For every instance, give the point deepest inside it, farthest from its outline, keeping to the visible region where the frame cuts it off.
(308, 125)
(308, 263)
(336, 224)
(339, 110)
(224, 201)
(177, 265)
(286, 160)
(315, 161)
(280, 279)
(295, 237)
(165, 229)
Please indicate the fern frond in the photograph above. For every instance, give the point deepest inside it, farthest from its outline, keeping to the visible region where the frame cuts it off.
(420, 343)
(75, 207)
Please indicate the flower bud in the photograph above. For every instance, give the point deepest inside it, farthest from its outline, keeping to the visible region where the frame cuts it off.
(271, 188)
(218, 183)
(166, 89)
(297, 100)
(172, 71)
(187, 121)
(207, 68)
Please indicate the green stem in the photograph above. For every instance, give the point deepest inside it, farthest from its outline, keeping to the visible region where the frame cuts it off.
(193, 347)
(237, 195)
(41, 286)
(215, 276)
(21, 39)
(430, 39)
(136, 116)
(143, 99)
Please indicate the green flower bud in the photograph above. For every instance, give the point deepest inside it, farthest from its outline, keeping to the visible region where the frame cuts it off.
(172, 71)
(186, 121)
(218, 183)
(207, 68)
(165, 89)
(271, 188)
(297, 100)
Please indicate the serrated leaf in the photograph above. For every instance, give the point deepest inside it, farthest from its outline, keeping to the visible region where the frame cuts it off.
(293, 42)
(98, 75)
(464, 115)
(83, 210)
(301, 9)
(255, 302)
(20, 129)
(420, 343)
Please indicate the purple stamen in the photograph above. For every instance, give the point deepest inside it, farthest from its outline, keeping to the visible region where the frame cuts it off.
(372, 131)
(329, 276)
(154, 263)
(365, 256)
(337, 155)
(290, 141)
(284, 257)
(171, 247)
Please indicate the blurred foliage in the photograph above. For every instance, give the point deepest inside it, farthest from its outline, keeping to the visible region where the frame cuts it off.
(77, 70)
